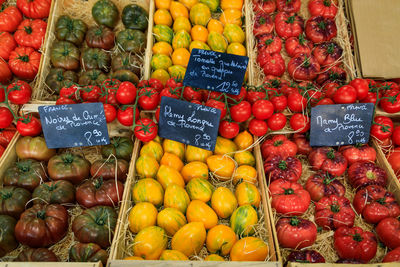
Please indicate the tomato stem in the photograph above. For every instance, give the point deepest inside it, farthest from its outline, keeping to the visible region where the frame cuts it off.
(41, 214)
(335, 208)
(282, 165)
(288, 191)
(294, 221)
(330, 154)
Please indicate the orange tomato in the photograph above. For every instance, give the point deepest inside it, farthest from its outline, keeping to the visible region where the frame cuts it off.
(182, 23)
(214, 257)
(249, 249)
(189, 239)
(243, 140)
(181, 56)
(142, 215)
(236, 49)
(237, 4)
(223, 202)
(194, 169)
(198, 211)
(161, 75)
(163, 4)
(134, 258)
(172, 160)
(178, 10)
(150, 242)
(199, 33)
(163, 17)
(245, 173)
(220, 239)
(231, 16)
(163, 48)
(247, 194)
(215, 26)
(176, 197)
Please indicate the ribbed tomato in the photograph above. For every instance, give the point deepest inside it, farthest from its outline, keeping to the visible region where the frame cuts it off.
(296, 233)
(323, 184)
(332, 212)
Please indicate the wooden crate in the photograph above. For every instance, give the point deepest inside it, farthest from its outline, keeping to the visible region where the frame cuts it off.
(122, 263)
(119, 245)
(77, 9)
(10, 157)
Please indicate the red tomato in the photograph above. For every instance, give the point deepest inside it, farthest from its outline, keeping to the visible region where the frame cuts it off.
(307, 255)
(358, 152)
(332, 212)
(277, 121)
(325, 8)
(90, 93)
(190, 94)
(6, 135)
(237, 98)
(126, 93)
(288, 25)
(303, 67)
(300, 123)
(109, 96)
(302, 142)
(278, 145)
(10, 18)
(345, 95)
(393, 158)
(327, 53)
(296, 233)
(173, 83)
(34, 9)
(258, 127)
(2, 149)
(125, 116)
(6, 117)
(241, 112)
(296, 102)
(289, 198)
(69, 92)
(269, 43)
(325, 101)
(156, 84)
(149, 98)
(253, 96)
(329, 160)
(320, 29)
(5, 72)
(263, 24)
(266, 6)
(171, 92)
(364, 173)
(64, 101)
(279, 102)
(29, 126)
(110, 112)
(146, 129)
(322, 184)
(19, 92)
(289, 6)
(8, 44)
(329, 89)
(279, 167)
(31, 33)
(228, 129)
(262, 109)
(355, 244)
(382, 127)
(273, 64)
(301, 45)
(331, 74)
(388, 231)
(392, 256)
(110, 84)
(374, 203)
(361, 87)
(217, 104)
(24, 62)
(391, 101)
(371, 97)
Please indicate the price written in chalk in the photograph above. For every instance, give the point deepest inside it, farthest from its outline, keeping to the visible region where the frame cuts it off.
(334, 125)
(74, 125)
(216, 71)
(189, 123)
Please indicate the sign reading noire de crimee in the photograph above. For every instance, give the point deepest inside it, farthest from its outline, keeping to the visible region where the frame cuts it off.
(215, 71)
(189, 123)
(74, 125)
(343, 124)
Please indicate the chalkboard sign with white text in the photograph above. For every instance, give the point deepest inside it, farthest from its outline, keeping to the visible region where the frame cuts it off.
(344, 124)
(216, 71)
(189, 123)
(74, 125)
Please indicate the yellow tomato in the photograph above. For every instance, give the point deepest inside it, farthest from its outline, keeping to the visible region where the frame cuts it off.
(181, 39)
(245, 173)
(234, 34)
(174, 147)
(146, 166)
(245, 158)
(193, 153)
(171, 220)
(199, 33)
(153, 149)
(200, 189)
(150, 242)
(161, 75)
(198, 211)
(163, 48)
(247, 194)
(178, 10)
(199, 45)
(221, 166)
(173, 255)
(189, 239)
(148, 190)
(134, 258)
(180, 56)
(143, 214)
(182, 23)
(163, 17)
(236, 49)
(177, 71)
(194, 169)
(172, 160)
(243, 140)
(249, 249)
(189, 3)
(231, 16)
(214, 257)
(237, 4)
(215, 26)
(223, 202)
(200, 14)
(163, 4)
(224, 146)
(220, 239)
(176, 197)
(167, 176)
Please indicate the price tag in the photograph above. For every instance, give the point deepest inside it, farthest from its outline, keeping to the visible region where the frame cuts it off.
(74, 125)
(337, 125)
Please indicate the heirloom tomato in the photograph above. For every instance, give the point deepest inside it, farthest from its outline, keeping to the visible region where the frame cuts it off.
(320, 29)
(289, 6)
(303, 67)
(70, 167)
(6, 117)
(36, 255)
(278, 145)
(288, 25)
(33, 148)
(13, 200)
(7, 242)
(31, 33)
(325, 8)
(8, 44)
(303, 143)
(327, 53)
(26, 173)
(99, 192)
(55, 192)
(109, 169)
(34, 9)
(364, 173)
(106, 13)
(322, 184)
(279, 167)
(121, 147)
(392, 256)
(24, 62)
(266, 6)
(100, 37)
(90, 252)
(295, 232)
(358, 152)
(394, 159)
(289, 198)
(388, 231)
(308, 255)
(329, 160)
(332, 212)
(249, 249)
(10, 18)
(300, 45)
(263, 24)
(268, 43)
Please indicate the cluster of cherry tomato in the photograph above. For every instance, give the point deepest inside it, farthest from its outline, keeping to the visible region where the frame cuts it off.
(292, 196)
(22, 30)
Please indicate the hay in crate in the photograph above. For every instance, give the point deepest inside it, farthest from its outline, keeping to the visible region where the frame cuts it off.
(342, 39)
(78, 9)
(260, 229)
(324, 242)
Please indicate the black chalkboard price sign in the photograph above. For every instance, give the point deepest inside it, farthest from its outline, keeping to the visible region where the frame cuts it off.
(189, 123)
(74, 125)
(216, 71)
(344, 124)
